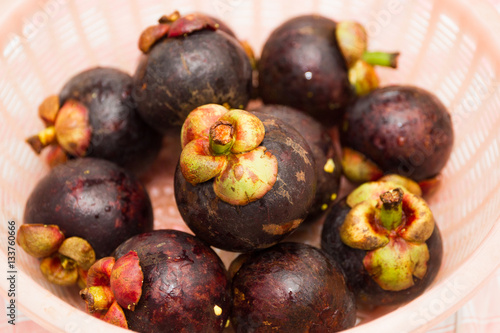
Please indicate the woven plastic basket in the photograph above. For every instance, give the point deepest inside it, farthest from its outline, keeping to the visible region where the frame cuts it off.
(450, 47)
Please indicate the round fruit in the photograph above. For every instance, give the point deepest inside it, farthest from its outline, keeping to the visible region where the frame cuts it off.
(92, 199)
(188, 63)
(386, 241)
(244, 181)
(396, 129)
(95, 116)
(291, 287)
(317, 65)
(163, 281)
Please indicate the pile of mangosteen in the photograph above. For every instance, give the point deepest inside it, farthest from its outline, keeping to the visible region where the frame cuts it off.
(247, 178)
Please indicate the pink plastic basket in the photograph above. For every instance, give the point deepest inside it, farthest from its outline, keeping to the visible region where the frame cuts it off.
(450, 47)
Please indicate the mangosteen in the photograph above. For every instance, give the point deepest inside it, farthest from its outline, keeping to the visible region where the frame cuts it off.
(397, 129)
(386, 241)
(160, 281)
(189, 62)
(244, 181)
(318, 66)
(328, 164)
(291, 287)
(81, 211)
(95, 115)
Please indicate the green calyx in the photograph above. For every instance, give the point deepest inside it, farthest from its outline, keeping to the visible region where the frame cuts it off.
(224, 145)
(392, 225)
(352, 40)
(357, 167)
(394, 265)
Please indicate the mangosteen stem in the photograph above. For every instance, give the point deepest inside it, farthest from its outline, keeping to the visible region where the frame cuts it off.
(221, 137)
(391, 214)
(67, 263)
(169, 18)
(384, 59)
(42, 139)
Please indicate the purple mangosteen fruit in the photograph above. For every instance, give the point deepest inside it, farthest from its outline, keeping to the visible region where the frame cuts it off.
(95, 115)
(328, 164)
(160, 281)
(188, 61)
(81, 211)
(244, 181)
(386, 240)
(397, 129)
(318, 66)
(291, 287)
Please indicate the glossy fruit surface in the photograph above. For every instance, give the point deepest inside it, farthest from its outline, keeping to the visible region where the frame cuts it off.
(96, 116)
(302, 66)
(93, 199)
(291, 287)
(185, 288)
(400, 129)
(180, 73)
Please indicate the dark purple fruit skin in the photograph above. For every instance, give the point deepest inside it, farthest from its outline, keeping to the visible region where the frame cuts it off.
(291, 287)
(222, 26)
(93, 199)
(264, 222)
(179, 74)
(305, 44)
(403, 129)
(322, 147)
(367, 291)
(118, 133)
(183, 281)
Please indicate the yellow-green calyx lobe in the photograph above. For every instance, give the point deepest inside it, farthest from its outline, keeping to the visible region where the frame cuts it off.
(67, 126)
(392, 225)
(394, 265)
(352, 40)
(357, 167)
(64, 260)
(225, 145)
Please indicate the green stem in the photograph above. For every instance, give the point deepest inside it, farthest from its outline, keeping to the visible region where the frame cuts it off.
(391, 214)
(221, 138)
(381, 59)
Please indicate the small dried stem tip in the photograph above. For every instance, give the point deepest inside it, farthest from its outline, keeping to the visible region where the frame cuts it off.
(42, 139)
(169, 18)
(222, 137)
(391, 213)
